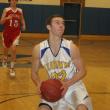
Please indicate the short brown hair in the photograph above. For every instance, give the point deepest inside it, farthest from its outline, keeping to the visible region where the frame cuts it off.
(49, 19)
(10, 0)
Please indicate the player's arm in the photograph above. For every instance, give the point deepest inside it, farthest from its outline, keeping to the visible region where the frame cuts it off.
(77, 61)
(23, 22)
(4, 18)
(35, 65)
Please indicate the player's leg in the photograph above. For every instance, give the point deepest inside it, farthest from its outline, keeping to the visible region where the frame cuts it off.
(81, 107)
(77, 97)
(13, 57)
(13, 60)
(81, 98)
(44, 106)
(5, 57)
(13, 54)
(62, 105)
(5, 54)
(85, 105)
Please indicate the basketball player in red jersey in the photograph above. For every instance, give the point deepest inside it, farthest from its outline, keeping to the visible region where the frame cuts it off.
(13, 21)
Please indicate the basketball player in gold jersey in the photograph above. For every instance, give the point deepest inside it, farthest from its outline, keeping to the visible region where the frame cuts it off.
(61, 58)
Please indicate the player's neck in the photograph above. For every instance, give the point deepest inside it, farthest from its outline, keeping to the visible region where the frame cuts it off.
(55, 39)
(13, 7)
(54, 44)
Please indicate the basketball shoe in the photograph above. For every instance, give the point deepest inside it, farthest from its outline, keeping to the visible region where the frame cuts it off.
(12, 72)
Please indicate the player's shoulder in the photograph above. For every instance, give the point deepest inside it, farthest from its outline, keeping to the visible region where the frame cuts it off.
(7, 9)
(19, 9)
(40, 45)
(36, 47)
(44, 43)
(66, 42)
(74, 48)
(70, 44)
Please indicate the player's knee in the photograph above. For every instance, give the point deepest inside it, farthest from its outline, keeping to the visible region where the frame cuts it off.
(82, 107)
(44, 106)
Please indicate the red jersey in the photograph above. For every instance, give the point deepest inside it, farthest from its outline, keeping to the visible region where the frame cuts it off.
(12, 26)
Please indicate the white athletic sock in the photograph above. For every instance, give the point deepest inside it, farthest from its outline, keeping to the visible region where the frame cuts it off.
(12, 64)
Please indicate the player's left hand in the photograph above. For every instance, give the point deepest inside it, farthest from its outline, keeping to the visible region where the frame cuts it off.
(65, 87)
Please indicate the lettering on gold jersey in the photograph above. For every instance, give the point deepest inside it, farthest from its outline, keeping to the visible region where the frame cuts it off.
(57, 64)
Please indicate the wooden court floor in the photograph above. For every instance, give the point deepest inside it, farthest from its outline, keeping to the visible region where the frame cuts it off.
(19, 93)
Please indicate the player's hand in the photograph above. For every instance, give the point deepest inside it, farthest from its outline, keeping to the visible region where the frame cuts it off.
(38, 88)
(9, 17)
(64, 87)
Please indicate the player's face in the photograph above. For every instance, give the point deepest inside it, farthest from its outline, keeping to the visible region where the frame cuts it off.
(57, 26)
(13, 2)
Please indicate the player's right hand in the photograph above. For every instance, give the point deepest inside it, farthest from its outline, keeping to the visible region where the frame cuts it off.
(9, 17)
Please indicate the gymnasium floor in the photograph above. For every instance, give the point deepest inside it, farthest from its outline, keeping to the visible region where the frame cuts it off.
(20, 93)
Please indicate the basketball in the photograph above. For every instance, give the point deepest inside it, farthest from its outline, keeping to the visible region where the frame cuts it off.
(51, 90)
